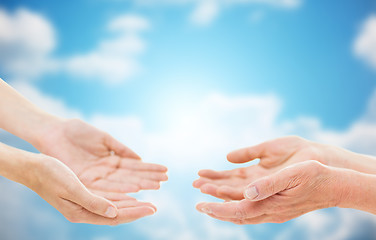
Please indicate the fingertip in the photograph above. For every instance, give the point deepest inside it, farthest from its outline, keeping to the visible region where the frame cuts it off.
(150, 211)
(153, 207)
(244, 155)
(199, 182)
(160, 168)
(111, 211)
(136, 156)
(194, 184)
(200, 206)
(236, 156)
(164, 168)
(165, 178)
(202, 172)
(230, 156)
(251, 193)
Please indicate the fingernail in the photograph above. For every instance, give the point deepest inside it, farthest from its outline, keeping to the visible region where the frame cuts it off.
(251, 193)
(206, 210)
(111, 212)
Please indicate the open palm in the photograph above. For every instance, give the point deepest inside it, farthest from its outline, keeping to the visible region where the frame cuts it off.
(274, 155)
(102, 163)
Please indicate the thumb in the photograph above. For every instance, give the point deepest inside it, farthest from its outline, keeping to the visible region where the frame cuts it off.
(270, 185)
(94, 203)
(246, 154)
(120, 149)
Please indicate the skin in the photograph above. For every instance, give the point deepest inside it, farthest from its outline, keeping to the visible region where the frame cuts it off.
(275, 155)
(286, 183)
(100, 163)
(60, 187)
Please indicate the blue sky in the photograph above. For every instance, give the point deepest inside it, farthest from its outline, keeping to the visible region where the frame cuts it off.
(302, 54)
(205, 77)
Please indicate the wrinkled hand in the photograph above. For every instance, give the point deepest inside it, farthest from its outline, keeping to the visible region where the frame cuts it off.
(103, 164)
(284, 195)
(60, 187)
(274, 155)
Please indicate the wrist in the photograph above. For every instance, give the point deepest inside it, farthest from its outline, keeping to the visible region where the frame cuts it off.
(355, 190)
(45, 124)
(18, 165)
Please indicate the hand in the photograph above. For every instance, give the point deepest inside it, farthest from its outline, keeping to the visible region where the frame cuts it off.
(274, 155)
(60, 187)
(101, 162)
(284, 195)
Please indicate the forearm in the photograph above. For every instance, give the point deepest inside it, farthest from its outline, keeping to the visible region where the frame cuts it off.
(362, 163)
(16, 164)
(22, 118)
(342, 158)
(356, 190)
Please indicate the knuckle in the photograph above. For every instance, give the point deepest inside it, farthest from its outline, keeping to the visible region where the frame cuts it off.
(240, 213)
(92, 204)
(275, 207)
(238, 221)
(269, 185)
(279, 219)
(114, 222)
(314, 167)
(72, 218)
(241, 172)
(296, 138)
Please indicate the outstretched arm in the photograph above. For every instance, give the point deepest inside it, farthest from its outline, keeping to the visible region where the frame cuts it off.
(292, 149)
(296, 190)
(60, 187)
(101, 162)
(22, 118)
(275, 155)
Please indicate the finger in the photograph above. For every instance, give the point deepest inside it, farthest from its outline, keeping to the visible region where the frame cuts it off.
(201, 181)
(93, 203)
(230, 193)
(119, 148)
(256, 220)
(207, 173)
(237, 209)
(95, 172)
(112, 196)
(285, 178)
(146, 184)
(111, 186)
(210, 189)
(125, 215)
(142, 166)
(247, 154)
(151, 175)
(133, 203)
(222, 192)
(142, 183)
(156, 176)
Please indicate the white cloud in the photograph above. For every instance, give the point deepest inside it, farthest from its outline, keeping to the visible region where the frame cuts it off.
(213, 127)
(365, 43)
(115, 58)
(205, 12)
(26, 42)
